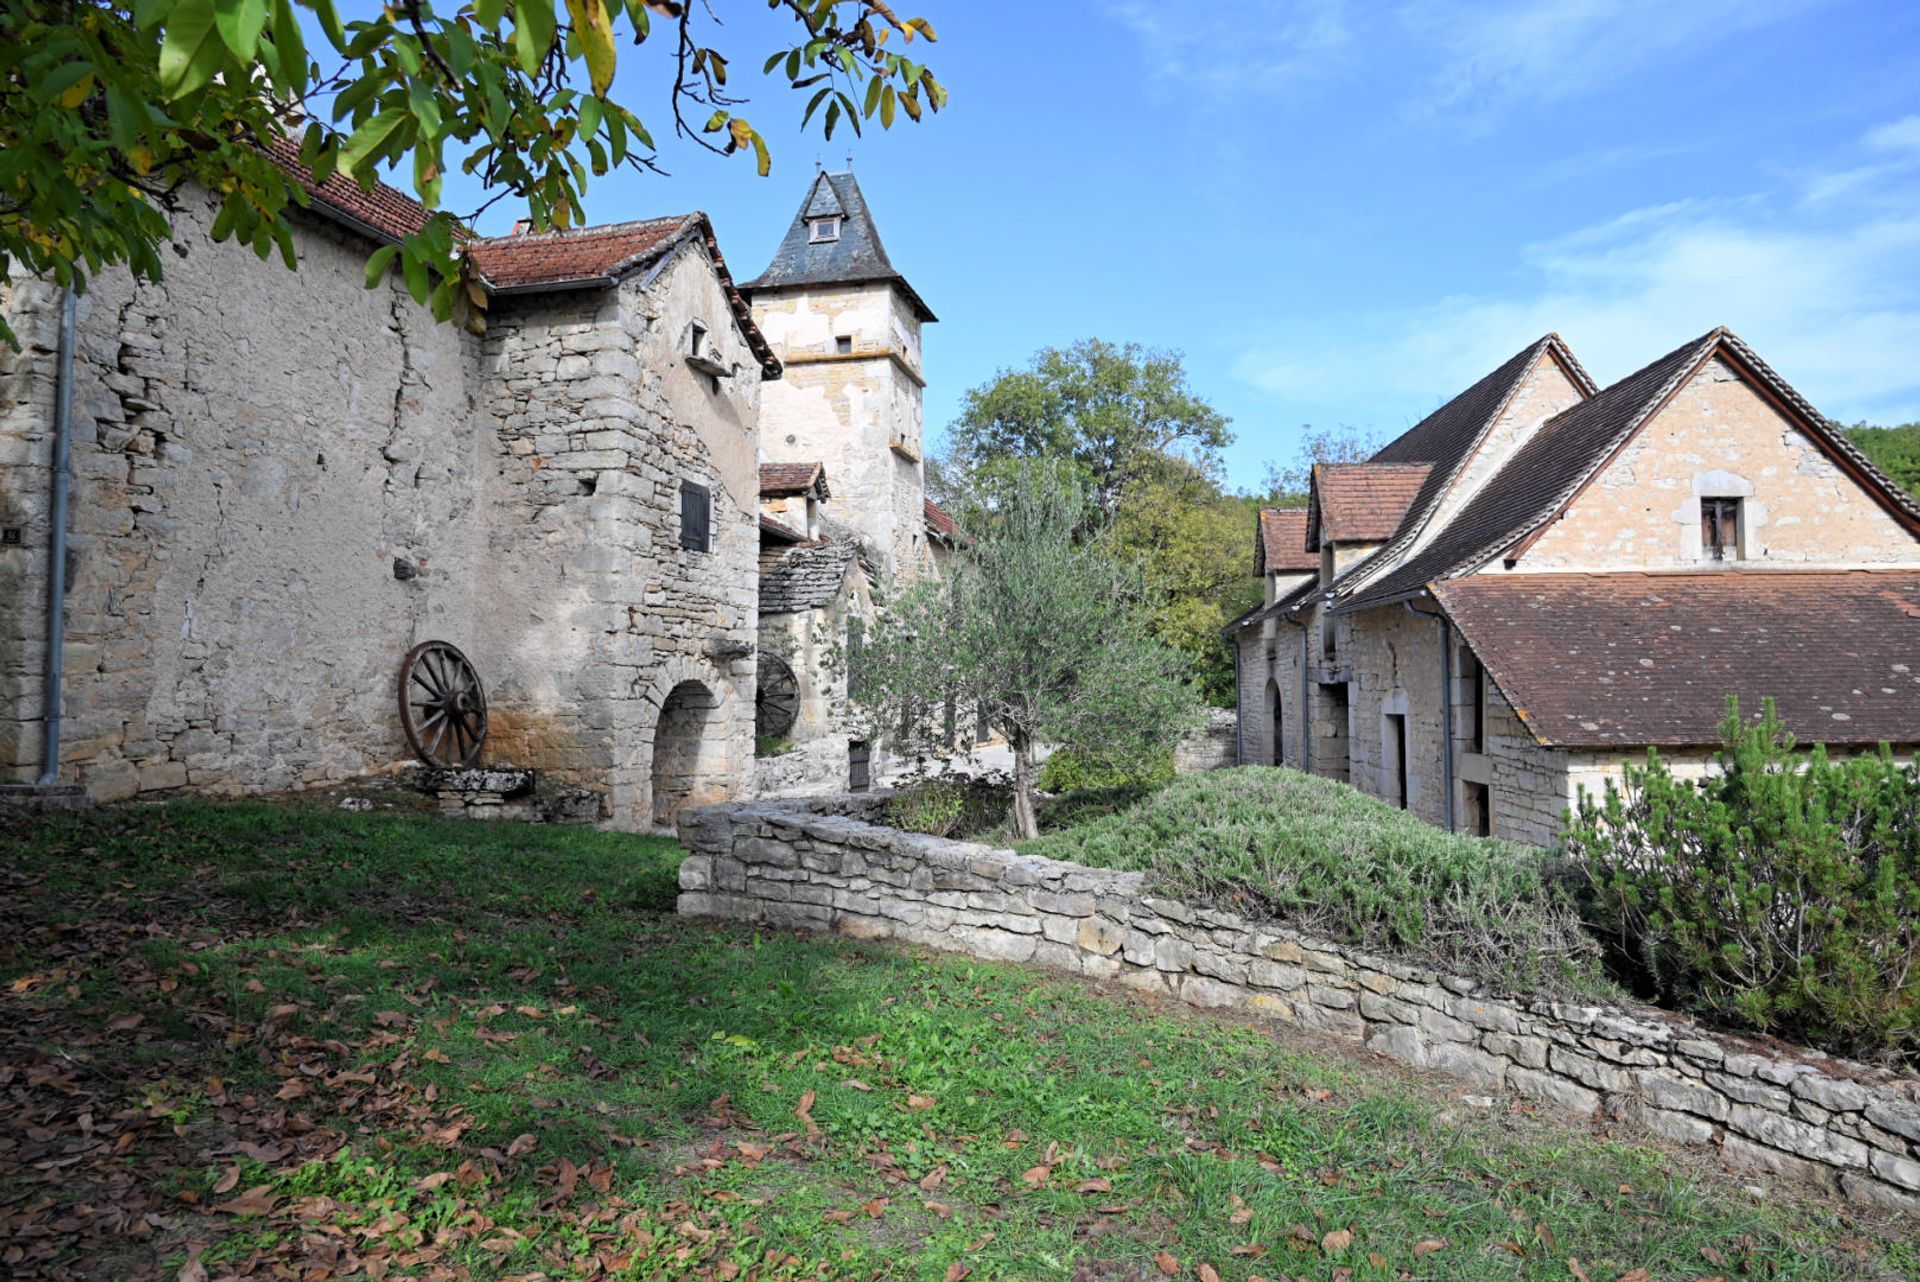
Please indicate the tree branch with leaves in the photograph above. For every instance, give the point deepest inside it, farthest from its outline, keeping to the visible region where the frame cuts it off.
(109, 110)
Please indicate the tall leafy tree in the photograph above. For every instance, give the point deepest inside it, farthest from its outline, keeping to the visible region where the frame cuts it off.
(109, 108)
(1194, 546)
(1287, 483)
(1116, 412)
(1037, 630)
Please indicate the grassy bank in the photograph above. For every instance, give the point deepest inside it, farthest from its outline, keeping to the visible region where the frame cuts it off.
(240, 1039)
(1330, 860)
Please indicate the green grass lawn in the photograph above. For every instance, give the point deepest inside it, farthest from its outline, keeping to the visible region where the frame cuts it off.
(282, 1042)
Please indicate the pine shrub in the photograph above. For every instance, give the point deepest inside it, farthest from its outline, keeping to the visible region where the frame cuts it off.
(1780, 893)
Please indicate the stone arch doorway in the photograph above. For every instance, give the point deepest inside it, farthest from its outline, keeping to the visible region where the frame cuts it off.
(688, 752)
(1277, 716)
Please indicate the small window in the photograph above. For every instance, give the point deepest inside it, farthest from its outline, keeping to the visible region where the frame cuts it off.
(696, 339)
(859, 765)
(1479, 799)
(1720, 529)
(825, 229)
(696, 517)
(843, 345)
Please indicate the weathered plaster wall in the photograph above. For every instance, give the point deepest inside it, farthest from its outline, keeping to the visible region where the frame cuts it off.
(255, 449)
(1528, 784)
(822, 866)
(849, 410)
(1719, 437)
(252, 451)
(814, 644)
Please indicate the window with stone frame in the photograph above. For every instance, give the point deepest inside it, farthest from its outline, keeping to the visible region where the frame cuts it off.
(1720, 529)
(696, 517)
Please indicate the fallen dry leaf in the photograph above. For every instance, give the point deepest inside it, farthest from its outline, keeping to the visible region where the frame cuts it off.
(257, 1200)
(1428, 1246)
(920, 1101)
(1338, 1240)
(1166, 1264)
(1206, 1273)
(1099, 1184)
(1035, 1176)
(957, 1272)
(855, 1084)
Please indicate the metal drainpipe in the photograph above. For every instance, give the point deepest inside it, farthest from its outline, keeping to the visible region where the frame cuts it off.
(1446, 708)
(57, 546)
(1306, 716)
(1239, 709)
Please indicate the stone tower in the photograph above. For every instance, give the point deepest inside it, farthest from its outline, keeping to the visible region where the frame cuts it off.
(846, 325)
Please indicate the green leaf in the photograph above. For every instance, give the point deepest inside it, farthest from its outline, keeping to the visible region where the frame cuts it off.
(593, 27)
(533, 28)
(240, 23)
(191, 52)
(489, 12)
(369, 141)
(378, 264)
(414, 268)
(292, 47)
(329, 21)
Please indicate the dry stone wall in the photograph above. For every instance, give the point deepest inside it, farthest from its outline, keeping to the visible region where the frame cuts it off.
(824, 865)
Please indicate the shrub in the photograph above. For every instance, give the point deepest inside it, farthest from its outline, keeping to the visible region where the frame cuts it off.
(1275, 844)
(1070, 771)
(931, 806)
(1781, 893)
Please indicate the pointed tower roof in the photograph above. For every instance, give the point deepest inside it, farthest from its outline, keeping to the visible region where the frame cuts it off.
(855, 256)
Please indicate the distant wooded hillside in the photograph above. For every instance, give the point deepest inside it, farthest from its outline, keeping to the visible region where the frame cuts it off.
(1895, 449)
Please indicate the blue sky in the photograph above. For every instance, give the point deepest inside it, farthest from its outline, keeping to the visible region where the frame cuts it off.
(1342, 213)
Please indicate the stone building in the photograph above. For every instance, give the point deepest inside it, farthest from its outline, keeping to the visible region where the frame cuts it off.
(846, 327)
(1543, 578)
(281, 482)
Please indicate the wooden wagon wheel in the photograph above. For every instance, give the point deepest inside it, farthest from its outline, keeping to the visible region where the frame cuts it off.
(443, 706)
(776, 700)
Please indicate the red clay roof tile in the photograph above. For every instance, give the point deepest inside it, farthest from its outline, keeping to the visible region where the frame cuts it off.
(1628, 660)
(1361, 502)
(1282, 543)
(781, 480)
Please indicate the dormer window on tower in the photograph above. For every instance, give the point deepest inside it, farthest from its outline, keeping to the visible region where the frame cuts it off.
(822, 230)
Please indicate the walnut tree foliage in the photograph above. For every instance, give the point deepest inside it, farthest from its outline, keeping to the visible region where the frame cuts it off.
(108, 110)
(1034, 627)
(1780, 893)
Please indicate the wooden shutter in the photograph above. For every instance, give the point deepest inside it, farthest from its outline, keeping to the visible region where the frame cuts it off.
(696, 517)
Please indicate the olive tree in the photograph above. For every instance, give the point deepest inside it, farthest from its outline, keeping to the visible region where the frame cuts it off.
(1040, 633)
(108, 108)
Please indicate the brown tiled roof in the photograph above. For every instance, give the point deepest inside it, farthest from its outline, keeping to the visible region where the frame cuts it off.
(1570, 448)
(1281, 545)
(782, 480)
(772, 531)
(587, 256)
(941, 525)
(1452, 434)
(1361, 502)
(581, 254)
(384, 210)
(1627, 660)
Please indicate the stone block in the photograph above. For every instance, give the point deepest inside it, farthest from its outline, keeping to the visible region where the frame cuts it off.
(696, 872)
(760, 850)
(1588, 1071)
(1902, 1119)
(1526, 1051)
(1398, 1042)
(1831, 1093)
(1171, 953)
(1665, 1089)
(1496, 1017)
(158, 776)
(1100, 936)
(994, 945)
(1146, 981)
(1466, 1062)
(1221, 966)
(1327, 998)
(1555, 1090)
(1779, 1131)
(1902, 1171)
(858, 927)
(1199, 990)
(1266, 974)
(1445, 1027)
(1745, 1090)
(1273, 1007)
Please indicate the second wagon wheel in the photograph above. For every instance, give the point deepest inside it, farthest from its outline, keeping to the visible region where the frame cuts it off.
(776, 702)
(443, 706)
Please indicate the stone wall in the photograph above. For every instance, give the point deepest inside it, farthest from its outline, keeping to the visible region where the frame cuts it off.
(823, 866)
(283, 480)
(1209, 747)
(1718, 436)
(858, 411)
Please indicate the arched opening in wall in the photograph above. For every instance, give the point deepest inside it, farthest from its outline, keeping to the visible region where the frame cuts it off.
(686, 752)
(1276, 716)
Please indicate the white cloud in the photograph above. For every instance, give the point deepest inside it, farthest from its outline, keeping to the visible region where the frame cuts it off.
(1824, 290)
(1497, 53)
(1900, 135)
(1238, 47)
